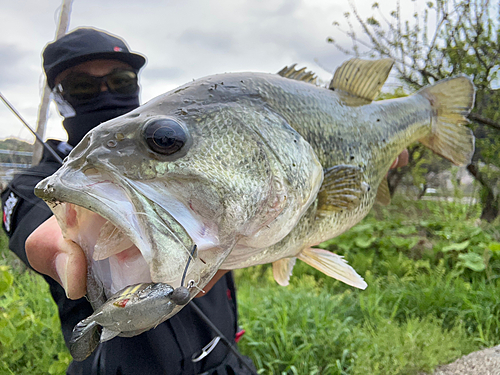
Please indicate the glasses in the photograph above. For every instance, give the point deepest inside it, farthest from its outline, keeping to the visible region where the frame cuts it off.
(82, 86)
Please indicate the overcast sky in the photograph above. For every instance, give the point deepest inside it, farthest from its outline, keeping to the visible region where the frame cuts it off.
(182, 39)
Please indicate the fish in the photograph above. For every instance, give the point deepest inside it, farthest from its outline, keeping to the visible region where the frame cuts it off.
(239, 169)
(147, 303)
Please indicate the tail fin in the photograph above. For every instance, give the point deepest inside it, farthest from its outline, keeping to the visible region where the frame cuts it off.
(452, 100)
(84, 339)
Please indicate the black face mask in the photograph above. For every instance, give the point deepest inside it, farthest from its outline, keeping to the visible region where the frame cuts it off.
(95, 111)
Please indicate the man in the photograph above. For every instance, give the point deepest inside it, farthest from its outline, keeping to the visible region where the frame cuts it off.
(93, 76)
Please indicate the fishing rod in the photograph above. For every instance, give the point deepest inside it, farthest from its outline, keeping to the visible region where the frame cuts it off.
(38, 138)
(202, 316)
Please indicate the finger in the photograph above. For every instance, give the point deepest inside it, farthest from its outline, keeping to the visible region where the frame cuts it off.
(63, 260)
(212, 282)
(395, 163)
(403, 159)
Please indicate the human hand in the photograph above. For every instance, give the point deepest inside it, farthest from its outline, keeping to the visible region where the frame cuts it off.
(401, 160)
(212, 282)
(63, 260)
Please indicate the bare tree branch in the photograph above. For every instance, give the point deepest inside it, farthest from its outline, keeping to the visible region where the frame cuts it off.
(484, 120)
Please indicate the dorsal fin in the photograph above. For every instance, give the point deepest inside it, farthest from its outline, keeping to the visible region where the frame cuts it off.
(298, 75)
(359, 82)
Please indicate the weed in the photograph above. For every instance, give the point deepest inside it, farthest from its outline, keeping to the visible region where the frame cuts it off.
(432, 274)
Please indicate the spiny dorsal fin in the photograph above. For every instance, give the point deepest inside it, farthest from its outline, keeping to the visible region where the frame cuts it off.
(359, 82)
(383, 194)
(298, 75)
(282, 270)
(332, 265)
(342, 189)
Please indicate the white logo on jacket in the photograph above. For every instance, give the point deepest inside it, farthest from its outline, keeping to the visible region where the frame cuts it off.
(8, 209)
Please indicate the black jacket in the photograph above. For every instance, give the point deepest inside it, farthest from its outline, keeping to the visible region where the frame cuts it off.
(168, 348)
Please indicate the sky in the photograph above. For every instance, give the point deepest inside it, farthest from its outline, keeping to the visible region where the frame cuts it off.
(182, 40)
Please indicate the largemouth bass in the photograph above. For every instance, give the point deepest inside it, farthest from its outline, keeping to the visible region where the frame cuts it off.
(235, 170)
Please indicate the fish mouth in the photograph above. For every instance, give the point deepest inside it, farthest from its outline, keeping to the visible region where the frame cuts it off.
(128, 236)
(113, 258)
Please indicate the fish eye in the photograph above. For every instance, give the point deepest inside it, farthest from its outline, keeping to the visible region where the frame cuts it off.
(165, 136)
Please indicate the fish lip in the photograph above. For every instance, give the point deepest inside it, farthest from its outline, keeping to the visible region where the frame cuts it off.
(54, 190)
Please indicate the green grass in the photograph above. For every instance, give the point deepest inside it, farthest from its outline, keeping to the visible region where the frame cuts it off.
(31, 341)
(433, 275)
(393, 327)
(432, 297)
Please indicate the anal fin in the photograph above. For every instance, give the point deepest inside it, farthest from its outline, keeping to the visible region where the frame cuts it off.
(282, 270)
(332, 265)
(342, 189)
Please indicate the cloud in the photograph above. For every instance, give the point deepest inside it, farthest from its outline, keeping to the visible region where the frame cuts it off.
(183, 40)
(12, 65)
(160, 73)
(214, 41)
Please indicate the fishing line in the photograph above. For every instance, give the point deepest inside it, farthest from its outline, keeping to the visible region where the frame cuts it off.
(47, 147)
(187, 265)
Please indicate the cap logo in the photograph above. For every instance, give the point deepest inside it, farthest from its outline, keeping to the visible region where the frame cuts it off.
(117, 49)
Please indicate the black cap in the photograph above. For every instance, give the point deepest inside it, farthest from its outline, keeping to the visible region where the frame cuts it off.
(86, 44)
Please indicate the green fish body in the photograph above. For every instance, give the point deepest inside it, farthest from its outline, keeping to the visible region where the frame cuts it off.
(240, 169)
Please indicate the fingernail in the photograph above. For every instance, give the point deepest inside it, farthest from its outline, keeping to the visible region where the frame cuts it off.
(62, 270)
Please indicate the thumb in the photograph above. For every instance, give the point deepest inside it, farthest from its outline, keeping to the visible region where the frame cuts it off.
(63, 260)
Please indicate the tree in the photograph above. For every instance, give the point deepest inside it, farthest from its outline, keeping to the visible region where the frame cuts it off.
(447, 38)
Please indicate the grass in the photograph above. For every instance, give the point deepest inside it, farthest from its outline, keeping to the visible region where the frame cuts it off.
(432, 297)
(307, 329)
(433, 276)
(31, 341)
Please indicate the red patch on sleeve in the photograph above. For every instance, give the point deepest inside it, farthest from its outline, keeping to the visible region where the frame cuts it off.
(238, 335)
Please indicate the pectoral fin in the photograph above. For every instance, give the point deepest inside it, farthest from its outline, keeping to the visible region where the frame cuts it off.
(342, 189)
(332, 265)
(358, 82)
(383, 194)
(282, 270)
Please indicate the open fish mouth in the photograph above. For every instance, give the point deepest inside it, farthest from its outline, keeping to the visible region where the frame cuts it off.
(127, 237)
(114, 259)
